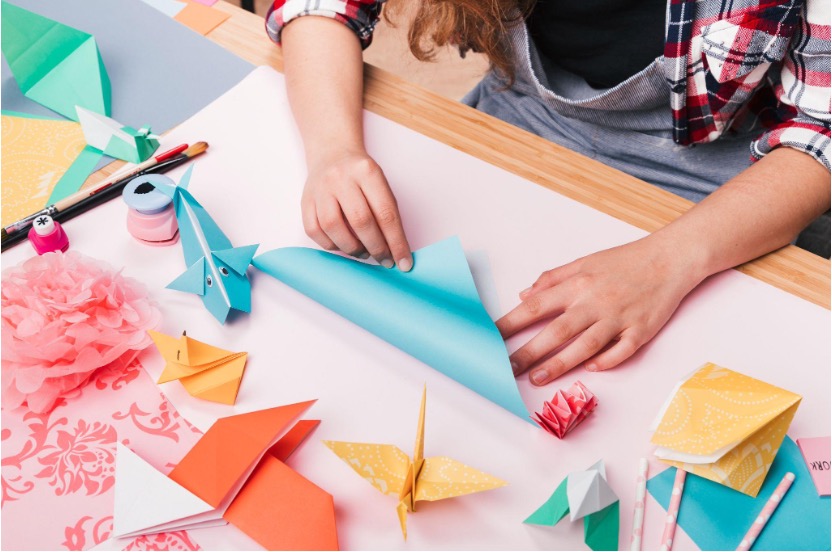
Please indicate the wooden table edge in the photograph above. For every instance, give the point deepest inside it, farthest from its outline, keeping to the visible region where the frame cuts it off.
(534, 158)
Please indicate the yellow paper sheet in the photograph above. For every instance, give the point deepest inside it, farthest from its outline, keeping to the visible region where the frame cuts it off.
(35, 154)
(718, 409)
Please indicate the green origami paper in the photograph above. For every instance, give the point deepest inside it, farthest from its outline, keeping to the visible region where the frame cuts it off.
(591, 498)
(55, 65)
(116, 140)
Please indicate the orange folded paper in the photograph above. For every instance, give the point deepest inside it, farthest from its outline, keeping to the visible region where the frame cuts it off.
(205, 371)
(237, 468)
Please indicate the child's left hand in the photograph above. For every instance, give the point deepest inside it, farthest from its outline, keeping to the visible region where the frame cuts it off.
(608, 304)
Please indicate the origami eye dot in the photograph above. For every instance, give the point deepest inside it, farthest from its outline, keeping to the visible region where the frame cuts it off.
(209, 281)
(223, 271)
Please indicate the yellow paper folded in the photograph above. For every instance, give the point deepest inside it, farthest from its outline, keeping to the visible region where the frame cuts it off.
(391, 471)
(205, 371)
(725, 426)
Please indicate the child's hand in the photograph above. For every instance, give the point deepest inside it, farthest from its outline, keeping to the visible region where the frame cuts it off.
(609, 303)
(348, 205)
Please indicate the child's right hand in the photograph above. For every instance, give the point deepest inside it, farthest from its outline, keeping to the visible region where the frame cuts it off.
(347, 205)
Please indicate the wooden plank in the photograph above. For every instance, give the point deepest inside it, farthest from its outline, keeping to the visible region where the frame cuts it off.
(559, 169)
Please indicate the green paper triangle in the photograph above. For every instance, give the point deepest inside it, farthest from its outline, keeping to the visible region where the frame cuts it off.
(601, 528)
(553, 510)
(120, 149)
(34, 45)
(77, 80)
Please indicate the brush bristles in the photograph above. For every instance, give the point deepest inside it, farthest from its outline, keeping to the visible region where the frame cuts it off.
(196, 149)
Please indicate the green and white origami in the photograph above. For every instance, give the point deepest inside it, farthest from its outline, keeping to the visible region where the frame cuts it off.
(584, 494)
(116, 140)
(55, 65)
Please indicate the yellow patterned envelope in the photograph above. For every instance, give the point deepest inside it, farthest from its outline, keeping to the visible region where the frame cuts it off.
(35, 154)
(725, 426)
(391, 471)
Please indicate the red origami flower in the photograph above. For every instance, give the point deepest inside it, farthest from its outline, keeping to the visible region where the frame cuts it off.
(566, 410)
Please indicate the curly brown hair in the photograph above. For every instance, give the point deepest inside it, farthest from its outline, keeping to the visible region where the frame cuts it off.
(477, 25)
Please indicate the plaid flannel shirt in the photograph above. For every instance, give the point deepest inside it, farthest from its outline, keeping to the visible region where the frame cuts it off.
(726, 61)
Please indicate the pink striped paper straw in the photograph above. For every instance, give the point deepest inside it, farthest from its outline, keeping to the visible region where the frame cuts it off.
(638, 512)
(757, 527)
(673, 510)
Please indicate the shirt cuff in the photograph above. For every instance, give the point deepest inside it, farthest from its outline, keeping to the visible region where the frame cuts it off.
(360, 17)
(801, 133)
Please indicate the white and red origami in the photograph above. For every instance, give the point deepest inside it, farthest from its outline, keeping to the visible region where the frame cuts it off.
(566, 410)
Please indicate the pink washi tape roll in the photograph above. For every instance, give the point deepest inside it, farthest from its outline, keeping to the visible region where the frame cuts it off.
(46, 235)
(150, 218)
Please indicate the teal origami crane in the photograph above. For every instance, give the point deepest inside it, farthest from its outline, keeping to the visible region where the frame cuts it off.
(433, 312)
(216, 270)
(116, 140)
(584, 494)
(55, 65)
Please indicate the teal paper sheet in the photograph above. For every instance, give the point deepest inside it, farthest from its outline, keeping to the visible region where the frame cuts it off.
(717, 518)
(433, 312)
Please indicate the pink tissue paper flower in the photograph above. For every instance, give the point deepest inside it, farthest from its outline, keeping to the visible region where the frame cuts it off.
(566, 410)
(65, 315)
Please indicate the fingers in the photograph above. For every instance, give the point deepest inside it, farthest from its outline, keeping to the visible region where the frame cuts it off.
(554, 335)
(585, 346)
(615, 355)
(363, 222)
(549, 279)
(312, 226)
(386, 213)
(533, 309)
(332, 222)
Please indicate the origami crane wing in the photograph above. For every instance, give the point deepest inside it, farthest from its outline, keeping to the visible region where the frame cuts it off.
(55, 65)
(385, 467)
(443, 477)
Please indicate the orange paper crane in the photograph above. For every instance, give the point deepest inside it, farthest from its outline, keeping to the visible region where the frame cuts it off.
(205, 371)
(236, 473)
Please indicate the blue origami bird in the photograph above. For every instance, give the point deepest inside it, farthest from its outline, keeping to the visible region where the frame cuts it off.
(216, 270)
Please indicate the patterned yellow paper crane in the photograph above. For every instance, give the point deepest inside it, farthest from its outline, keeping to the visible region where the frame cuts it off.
(391, 471)
(205, 371)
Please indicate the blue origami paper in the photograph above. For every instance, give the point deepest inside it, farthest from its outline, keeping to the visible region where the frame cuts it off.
(433, 312)
(717, 517)
(216, 269)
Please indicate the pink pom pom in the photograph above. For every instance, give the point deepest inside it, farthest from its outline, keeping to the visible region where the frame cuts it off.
(65, 316)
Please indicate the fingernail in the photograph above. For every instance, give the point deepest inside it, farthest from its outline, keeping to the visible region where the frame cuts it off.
(515, 368)
(525, 291)
(539, 377)
(387, 263)
(405, 265)
(364, 255)
(591, 367)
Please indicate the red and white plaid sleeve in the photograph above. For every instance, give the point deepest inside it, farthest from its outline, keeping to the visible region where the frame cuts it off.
(803, 90)
(359, 15)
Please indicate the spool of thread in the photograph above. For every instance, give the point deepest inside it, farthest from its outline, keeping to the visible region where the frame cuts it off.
(150, 215)
(47, 235)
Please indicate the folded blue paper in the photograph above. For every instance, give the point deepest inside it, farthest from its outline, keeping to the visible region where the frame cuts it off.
(717, 517)
(433, 312)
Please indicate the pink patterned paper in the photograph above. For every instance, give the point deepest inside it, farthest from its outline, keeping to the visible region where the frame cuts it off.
(566, 410)
(58, 467)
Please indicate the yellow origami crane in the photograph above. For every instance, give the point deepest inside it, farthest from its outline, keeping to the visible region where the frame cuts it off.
(391, 471)
(205, 371)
